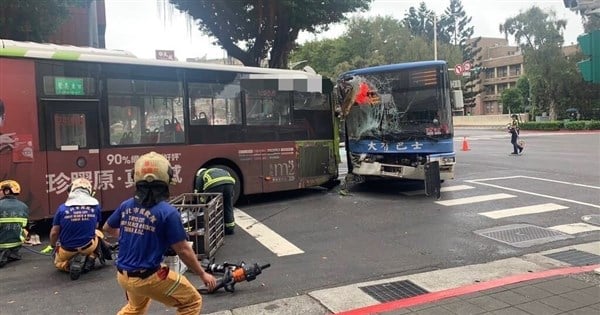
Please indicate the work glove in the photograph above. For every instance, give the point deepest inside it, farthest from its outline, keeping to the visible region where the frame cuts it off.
(47, 250)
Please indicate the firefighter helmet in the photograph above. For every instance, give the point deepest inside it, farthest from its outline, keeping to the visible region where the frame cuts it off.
(11, 185)
(81, 183)
(153, 167)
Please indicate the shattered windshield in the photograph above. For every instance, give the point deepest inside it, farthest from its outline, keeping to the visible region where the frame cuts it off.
(393, 106)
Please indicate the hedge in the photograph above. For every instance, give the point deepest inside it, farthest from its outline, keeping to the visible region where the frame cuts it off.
(557, 125)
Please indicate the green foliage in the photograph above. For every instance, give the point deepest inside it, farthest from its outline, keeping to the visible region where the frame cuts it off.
(575, 125)
(592, 125)
(511, 101)
(370, 42)
(541, 125)
(249, 30)
(34, 20)
(455, 24)
(539, 34)
(420, 22)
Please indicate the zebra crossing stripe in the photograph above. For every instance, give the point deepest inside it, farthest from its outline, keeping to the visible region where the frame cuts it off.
(444, 189)
(263, 234)
(575, 228)
(467, 200)
(546, 207)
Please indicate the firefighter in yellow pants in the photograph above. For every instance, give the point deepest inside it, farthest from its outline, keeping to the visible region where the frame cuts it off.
(147, 225)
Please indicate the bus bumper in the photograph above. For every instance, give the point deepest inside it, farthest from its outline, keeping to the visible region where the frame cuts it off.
(391, 171)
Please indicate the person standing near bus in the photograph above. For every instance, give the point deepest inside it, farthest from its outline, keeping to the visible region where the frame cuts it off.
(13, 219)
(147, 225)
(74, 234)
(217, 180)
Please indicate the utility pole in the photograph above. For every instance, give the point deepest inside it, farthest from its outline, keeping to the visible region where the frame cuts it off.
(434, 36)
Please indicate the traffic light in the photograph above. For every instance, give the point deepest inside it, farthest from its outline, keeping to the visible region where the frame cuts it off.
(589, 43)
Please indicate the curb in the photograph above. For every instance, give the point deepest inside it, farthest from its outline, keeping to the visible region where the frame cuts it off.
(440, 295)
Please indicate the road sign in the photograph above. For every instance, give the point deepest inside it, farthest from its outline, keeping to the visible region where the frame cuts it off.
(459, 69)
(165, 54)
(467, 66)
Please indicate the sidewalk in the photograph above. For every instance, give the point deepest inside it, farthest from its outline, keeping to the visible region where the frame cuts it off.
(558, 281)
(571, 290)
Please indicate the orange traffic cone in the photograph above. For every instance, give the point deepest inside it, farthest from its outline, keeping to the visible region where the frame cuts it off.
(465, 145)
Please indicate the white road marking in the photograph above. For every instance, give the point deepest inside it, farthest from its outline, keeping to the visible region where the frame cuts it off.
(467, 200)
(546, 207)
(271, 240)
(575, 228)
(536, 178)
(478, 181)
(444, 189)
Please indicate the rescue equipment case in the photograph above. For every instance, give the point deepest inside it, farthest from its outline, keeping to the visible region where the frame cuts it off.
(202, 218)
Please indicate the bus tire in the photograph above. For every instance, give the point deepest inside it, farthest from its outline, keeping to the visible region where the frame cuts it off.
(237, 187)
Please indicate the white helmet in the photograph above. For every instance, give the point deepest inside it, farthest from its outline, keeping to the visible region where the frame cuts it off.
(153, 167)
(82, 183)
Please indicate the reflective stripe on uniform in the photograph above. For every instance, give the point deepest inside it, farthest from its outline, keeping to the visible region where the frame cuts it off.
(232, 224)
(21, 221)
(11, 245)
(174, 286)
(209, 181)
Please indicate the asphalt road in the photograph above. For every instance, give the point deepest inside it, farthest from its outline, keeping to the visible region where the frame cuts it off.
(377, 230)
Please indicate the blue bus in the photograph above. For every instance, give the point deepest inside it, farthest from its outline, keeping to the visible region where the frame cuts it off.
(398, 121)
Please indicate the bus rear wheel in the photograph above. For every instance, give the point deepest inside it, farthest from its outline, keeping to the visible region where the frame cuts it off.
(237, 187)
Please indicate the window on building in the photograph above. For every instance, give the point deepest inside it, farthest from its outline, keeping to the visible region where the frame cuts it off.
(515, 70)
(489, 89)
(502, 87)
(502, 72)
(489, 73)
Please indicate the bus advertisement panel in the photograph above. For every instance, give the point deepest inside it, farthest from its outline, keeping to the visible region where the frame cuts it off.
(397, 118)
(72, 112)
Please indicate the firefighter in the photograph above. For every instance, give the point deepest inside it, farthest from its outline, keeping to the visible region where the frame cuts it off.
(74, 235)
(147, 225)
(217, 180)
(13, 219)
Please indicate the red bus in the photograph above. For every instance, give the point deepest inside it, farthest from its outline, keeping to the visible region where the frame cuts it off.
(74, 112)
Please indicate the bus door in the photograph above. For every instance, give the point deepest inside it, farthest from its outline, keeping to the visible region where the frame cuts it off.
(72, 143)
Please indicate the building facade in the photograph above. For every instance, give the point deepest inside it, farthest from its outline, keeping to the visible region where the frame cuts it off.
(502, 66)
(86, 26)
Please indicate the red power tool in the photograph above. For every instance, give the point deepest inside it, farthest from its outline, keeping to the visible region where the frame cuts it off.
(231, 274)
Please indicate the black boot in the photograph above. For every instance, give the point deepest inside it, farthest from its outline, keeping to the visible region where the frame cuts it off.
(76, 266)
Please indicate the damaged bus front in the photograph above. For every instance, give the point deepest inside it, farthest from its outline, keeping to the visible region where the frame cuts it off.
(397, 120)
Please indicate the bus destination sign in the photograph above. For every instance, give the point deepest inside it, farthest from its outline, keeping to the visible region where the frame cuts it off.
(68, 86)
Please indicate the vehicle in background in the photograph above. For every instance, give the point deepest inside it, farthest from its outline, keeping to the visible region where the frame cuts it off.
(397, 120)
(85, 112)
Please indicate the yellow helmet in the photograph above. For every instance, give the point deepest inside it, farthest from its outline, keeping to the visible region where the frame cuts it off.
(152, 167)
(11, 185)
(81, 183)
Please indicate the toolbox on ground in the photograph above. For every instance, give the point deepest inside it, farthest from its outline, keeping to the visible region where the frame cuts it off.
(202, 218)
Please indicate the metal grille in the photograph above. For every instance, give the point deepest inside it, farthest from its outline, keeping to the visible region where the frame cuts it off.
(576, 257)
(313, 161)
(522, 235)
(392, 291)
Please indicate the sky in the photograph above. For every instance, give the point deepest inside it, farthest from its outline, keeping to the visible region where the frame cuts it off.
(141, 26)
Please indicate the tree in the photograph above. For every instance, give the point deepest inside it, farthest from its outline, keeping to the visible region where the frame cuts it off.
(455, 23)
(511, 101)
(539, 34)
(34, 20)
(250, 30)
(419, 21)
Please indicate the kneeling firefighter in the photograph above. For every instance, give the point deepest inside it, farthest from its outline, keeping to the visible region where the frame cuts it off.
(216, 180)
(13, 219)
(74, 235)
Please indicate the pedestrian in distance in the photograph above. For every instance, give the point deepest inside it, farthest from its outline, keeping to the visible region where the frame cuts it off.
(514, 130)
(146, 226)
(74, 235)
(217, 180)
(14, 215)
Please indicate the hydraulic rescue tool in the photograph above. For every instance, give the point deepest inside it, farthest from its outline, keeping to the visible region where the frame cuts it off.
(231, 274)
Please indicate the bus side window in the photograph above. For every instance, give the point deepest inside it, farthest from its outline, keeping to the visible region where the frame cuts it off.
(215, 104)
